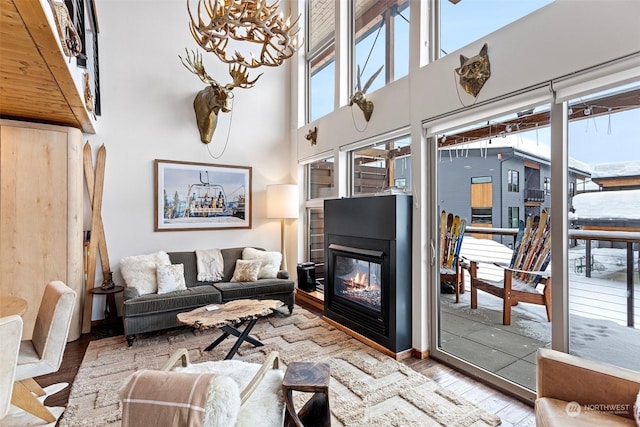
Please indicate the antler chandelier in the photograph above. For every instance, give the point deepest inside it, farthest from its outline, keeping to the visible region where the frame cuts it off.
(254, 21)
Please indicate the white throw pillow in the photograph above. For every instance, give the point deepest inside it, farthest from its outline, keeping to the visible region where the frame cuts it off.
(246, 271)
(270, 262)
(170, 278)
(139, 271)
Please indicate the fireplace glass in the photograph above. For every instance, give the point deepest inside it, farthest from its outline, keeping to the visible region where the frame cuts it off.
(358, 281)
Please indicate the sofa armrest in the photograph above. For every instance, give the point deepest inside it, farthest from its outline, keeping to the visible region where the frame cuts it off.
(283, 274)
(570, 378)
(130, 293)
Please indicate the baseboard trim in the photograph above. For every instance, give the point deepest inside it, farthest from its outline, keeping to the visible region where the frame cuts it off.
(406, 354)
(306, 298)
(419, 354)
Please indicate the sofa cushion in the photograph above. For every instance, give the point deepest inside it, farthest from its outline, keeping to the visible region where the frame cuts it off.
(188, 260)
(230, 256)
(185, 300)
(246, 270)
(260, 288)
(170, 278)
(553, 412)
(139, 271)
(270, 262)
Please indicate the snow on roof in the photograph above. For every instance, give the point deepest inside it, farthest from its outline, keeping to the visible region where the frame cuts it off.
(610, 170)
(623, 204)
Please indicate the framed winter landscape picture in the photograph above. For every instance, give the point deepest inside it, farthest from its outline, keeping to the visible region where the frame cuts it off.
(201, 196)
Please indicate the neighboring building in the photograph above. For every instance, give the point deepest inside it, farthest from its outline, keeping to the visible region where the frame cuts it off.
(617, 176)
(496, 184)
(617, 206)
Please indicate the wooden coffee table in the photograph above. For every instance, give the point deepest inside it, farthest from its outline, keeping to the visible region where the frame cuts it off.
(229, 317)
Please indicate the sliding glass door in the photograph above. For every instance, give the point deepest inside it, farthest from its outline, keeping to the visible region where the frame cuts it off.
(493, 176)
(604, 226)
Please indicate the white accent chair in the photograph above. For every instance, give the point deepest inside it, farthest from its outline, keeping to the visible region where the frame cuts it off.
(42, 354)
(242, 394)
(10, 336)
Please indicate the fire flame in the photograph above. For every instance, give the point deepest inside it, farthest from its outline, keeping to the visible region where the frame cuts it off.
(360, 279)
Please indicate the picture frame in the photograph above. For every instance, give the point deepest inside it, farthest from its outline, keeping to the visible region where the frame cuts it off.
(201, 196)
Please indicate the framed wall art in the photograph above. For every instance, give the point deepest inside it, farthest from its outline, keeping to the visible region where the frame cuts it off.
(201, 196)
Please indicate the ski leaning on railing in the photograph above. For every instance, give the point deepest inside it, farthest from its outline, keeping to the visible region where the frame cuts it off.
(458, 244)
(534, 241)
(453, 240)
(447, 239)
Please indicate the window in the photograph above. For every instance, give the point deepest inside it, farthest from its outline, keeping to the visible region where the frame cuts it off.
(319, 182)
(463, 22)
(514, 216)
(377, 167)
(481, 215)
(481, 180)
(320, 179)
(547, 186)
(513, 181)
(315, 239)
(572, 189)
(381, 40)
(321, 58)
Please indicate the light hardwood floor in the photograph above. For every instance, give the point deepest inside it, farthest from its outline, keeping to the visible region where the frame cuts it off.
(512, 411)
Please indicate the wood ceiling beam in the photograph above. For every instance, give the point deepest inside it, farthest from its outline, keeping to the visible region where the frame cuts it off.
(605, 105)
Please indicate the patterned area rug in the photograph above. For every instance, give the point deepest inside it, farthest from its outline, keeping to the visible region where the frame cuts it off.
(367, 388)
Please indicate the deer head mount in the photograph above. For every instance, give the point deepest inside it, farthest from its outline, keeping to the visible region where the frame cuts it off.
(252, 21)
(215, 97)
(359, 98)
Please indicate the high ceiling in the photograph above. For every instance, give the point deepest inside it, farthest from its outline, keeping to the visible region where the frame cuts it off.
(35, 81)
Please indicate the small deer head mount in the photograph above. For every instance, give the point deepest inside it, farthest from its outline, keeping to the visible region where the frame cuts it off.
(312, 135)
(359, 99)
(215, 97)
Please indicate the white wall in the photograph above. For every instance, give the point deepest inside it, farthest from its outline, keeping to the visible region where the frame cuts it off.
(147, 114)
(563, 38)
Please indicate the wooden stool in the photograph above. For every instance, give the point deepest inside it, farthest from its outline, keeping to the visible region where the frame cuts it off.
(310, 378)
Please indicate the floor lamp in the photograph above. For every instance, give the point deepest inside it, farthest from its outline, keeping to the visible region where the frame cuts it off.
(282, 203)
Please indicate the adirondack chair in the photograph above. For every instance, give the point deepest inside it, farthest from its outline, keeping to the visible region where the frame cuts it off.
(525, 278)
(451, 233)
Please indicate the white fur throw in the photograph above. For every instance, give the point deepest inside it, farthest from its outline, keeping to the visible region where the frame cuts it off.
(265, 406)
(139, 271)
(270, 262)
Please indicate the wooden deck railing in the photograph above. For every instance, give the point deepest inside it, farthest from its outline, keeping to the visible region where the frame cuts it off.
(588, 236)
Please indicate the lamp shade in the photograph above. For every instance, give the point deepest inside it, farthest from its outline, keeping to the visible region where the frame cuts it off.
(282, 201)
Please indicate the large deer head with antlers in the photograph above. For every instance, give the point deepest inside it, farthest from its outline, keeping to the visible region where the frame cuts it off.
(215, 97)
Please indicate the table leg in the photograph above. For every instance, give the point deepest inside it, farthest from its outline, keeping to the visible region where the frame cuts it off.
(217, 341)
(233, 331)
(112, 312)
(240, 339)
(242, 336)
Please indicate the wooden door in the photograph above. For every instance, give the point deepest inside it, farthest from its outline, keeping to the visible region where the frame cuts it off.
(481, 207)
(40, 214)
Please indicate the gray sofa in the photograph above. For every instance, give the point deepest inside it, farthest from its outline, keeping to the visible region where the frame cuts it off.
(154, 312)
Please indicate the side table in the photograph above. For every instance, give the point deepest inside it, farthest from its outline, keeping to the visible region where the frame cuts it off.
(311, 378)
(110, 311)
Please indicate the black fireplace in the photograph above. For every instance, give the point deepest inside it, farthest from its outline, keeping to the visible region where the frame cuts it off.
(368, 274)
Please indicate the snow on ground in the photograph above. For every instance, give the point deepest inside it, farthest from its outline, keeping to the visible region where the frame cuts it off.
(601, 296)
